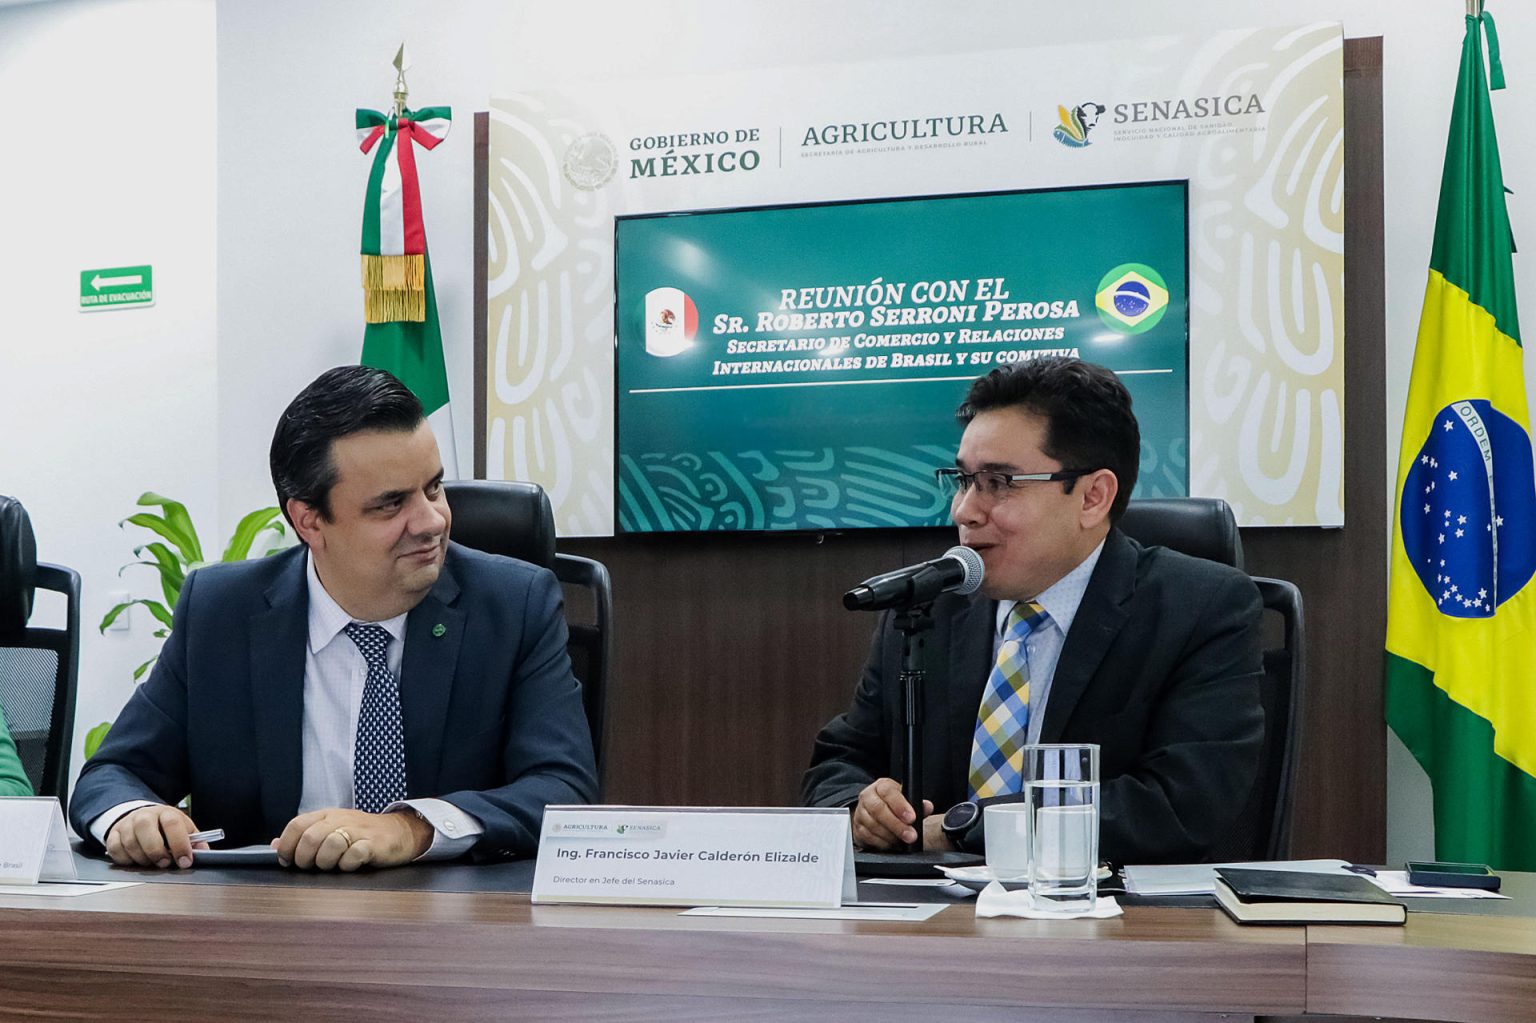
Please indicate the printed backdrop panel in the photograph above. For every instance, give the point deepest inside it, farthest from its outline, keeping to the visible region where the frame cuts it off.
(1252, 119)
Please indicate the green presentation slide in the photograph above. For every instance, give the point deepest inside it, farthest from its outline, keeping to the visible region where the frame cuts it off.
(798, 367)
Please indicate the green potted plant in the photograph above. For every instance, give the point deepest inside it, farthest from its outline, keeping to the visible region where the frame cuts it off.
(175, 553)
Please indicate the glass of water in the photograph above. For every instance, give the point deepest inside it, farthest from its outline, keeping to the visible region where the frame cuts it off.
(1061, 787)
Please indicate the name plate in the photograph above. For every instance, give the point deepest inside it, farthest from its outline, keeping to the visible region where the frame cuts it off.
(34, 843)
(695, 856)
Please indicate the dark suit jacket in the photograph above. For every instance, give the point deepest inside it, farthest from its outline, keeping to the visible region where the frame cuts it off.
(492, 714)
(1161, 669)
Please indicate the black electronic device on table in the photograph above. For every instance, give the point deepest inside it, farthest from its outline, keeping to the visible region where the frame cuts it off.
(920, 863)
(1431, 874)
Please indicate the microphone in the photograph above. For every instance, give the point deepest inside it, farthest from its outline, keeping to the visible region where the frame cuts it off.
(958, 571)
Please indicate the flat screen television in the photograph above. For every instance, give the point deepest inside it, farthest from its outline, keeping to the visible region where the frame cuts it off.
(798, 367)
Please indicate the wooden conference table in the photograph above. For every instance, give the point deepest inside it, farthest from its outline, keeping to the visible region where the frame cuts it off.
(405, 945)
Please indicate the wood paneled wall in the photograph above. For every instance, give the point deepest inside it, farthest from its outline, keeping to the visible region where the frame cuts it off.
(1341, 796)
(731, 651)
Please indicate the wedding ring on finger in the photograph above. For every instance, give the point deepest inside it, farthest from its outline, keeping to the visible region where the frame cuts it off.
(344, 836)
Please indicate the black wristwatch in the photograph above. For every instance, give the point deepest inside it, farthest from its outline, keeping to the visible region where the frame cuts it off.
(959, 819)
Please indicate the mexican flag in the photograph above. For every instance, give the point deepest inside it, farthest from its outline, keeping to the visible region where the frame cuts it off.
(1461, 620)
(671, 321)
(400, 306)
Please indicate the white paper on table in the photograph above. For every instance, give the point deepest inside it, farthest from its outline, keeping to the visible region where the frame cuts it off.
(995, 900)
(65, 889)
(941, 885)
(1200, 878)
(853, 911)
(1395, 882)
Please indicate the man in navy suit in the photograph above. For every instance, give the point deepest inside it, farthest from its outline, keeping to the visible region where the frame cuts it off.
(1150, 654)
(375, 696)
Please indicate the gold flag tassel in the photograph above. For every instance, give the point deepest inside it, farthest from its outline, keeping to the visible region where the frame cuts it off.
(394, 288)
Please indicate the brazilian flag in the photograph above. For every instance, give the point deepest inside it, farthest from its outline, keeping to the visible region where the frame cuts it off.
(1461, 621)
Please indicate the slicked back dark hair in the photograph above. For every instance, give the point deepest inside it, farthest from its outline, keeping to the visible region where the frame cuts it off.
(1089, 422)
(340, 402)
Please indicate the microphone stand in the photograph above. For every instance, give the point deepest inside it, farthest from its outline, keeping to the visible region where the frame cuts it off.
(912, 622)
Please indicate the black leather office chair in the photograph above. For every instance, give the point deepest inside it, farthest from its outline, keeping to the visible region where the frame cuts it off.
(39, 668)
(1285, 675)
(515, 520)
(1202, 527)
(1205, 528)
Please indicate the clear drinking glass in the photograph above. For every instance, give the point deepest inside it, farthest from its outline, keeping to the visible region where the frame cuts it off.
(1061, 787)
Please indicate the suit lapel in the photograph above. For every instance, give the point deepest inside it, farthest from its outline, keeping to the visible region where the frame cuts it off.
(278, 638)
(970, 662)
(1094, 627)
(433, 633)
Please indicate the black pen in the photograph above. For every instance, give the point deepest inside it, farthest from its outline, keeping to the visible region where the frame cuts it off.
(1357, 868)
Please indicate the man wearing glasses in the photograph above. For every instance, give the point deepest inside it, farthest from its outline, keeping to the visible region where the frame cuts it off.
(1093, 638)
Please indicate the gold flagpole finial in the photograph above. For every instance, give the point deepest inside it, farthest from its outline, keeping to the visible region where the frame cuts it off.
(401, 63)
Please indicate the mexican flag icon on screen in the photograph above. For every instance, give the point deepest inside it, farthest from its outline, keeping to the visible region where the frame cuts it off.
(671, 321)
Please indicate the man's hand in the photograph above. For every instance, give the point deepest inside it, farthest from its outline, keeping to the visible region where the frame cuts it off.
(348, 839)
(152, 836)
(882, 818)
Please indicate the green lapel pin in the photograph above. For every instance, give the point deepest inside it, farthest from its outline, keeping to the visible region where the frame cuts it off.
(439, 629)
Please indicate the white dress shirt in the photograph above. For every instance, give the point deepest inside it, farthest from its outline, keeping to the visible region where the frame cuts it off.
(335, 674)
(1042, 647)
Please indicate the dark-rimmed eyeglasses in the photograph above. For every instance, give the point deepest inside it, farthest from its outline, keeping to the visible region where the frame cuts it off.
(992, 484)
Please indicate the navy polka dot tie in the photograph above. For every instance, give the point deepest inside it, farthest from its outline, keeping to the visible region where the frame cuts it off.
(378, 759)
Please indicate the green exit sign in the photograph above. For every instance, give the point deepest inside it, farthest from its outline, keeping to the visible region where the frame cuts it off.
(117, 287)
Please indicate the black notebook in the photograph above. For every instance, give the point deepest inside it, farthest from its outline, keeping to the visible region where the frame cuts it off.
(1290, 897)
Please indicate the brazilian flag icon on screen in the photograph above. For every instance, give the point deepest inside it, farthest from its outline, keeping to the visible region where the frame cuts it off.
(1132, 298)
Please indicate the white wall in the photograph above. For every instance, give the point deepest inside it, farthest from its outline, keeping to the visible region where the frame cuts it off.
(291, 194)
(290, 185)
(108, 161)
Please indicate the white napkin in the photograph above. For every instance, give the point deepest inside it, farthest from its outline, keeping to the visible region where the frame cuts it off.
(995, 900)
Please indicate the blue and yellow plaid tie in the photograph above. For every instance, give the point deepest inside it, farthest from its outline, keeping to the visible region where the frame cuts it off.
(1002, 723)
